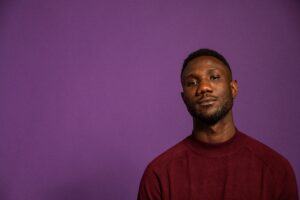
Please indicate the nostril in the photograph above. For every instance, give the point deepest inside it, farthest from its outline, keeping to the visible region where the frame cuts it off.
(203, 88)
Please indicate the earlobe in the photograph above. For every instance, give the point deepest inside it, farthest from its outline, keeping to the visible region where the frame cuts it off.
(234, 88)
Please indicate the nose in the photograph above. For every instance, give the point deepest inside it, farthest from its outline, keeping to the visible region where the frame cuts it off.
(204, 87)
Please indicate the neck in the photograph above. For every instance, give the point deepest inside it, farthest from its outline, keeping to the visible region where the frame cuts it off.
(220, 132)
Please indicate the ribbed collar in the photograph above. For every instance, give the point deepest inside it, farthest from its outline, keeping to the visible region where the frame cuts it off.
(231, 146)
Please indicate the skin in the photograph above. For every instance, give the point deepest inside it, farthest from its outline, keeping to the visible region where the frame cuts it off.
(209, 90)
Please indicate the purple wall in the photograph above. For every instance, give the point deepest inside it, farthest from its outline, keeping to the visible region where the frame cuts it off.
(90, 90)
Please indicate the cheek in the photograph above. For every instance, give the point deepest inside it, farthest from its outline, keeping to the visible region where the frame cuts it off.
(229, 93)
(188, 93)
(225, 93)
(187, 98)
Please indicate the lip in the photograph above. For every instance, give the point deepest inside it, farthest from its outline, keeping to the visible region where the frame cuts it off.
(206, 101)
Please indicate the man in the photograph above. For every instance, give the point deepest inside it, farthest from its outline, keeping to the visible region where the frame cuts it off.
(217, 161)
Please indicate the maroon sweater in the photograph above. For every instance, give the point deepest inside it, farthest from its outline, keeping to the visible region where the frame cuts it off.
(239, 169)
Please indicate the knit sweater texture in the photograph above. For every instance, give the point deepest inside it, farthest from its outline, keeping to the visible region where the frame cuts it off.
(239, 169)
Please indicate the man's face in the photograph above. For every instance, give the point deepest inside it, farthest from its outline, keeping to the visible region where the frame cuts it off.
(208, 90)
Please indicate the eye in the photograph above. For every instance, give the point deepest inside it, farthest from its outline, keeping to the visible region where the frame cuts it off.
(192, 82)
(214, 77)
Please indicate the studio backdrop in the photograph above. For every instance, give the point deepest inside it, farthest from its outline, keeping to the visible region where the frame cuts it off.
(90, 89)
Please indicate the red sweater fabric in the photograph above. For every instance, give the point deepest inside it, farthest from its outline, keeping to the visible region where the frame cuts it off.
(239, 169)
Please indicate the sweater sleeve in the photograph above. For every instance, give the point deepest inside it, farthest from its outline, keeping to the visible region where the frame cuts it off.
(289, 186)
(150, 186)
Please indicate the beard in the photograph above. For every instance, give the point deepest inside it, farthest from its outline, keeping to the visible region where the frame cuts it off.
(211, 119)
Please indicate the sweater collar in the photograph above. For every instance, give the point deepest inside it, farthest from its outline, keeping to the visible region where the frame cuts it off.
(216, 150)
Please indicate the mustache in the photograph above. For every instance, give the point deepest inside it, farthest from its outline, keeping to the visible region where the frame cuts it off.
(207, 96)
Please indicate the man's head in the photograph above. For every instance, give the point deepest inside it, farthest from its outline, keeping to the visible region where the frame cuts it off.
(208, 88)
(205, 52)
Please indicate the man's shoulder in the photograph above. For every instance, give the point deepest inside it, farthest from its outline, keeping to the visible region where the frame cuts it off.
(174, 153)
(265, 154)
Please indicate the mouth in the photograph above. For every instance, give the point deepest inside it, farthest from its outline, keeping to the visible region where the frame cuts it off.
(206, 101)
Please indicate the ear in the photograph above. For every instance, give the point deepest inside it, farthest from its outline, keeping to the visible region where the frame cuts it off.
(234, 88)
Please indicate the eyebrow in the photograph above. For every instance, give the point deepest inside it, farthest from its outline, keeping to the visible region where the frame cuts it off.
(191, 74)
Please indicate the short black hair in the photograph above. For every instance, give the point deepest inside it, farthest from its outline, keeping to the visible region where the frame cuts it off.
(204, 52)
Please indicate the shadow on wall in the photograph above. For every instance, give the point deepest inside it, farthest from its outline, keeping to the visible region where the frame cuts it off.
(4, 7)
(3, 190)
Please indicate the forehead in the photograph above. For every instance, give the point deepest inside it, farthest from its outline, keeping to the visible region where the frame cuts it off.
(204, 64)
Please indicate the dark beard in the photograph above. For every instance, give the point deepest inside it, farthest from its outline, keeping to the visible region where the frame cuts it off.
(215, 117)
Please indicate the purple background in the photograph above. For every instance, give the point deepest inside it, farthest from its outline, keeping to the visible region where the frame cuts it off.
(90, 90)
